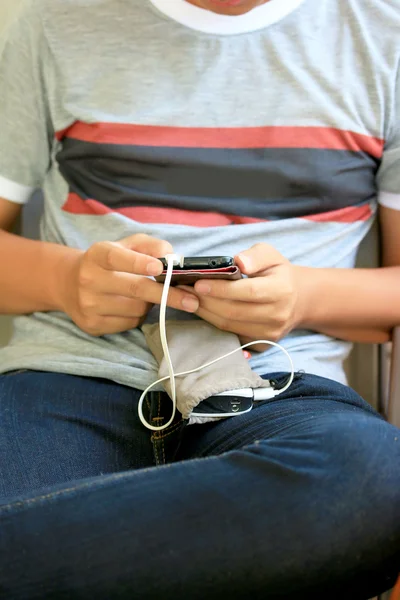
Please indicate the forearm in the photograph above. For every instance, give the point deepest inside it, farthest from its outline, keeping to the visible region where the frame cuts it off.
(31, 274)
(352, 304)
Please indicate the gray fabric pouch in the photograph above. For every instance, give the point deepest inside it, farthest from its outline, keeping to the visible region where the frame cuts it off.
(192, 344)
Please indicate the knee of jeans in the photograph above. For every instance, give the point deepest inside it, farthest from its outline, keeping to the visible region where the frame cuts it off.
(358, 448)
(353, 447)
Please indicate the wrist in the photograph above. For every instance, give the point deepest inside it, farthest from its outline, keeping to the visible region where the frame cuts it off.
(306, 296)
(63, 277)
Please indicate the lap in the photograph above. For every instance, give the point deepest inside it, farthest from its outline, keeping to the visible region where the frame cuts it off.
(57, 428)
(306, 483)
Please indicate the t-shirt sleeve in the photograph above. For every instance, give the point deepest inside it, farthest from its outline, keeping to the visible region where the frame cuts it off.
(26, 133)
(388, 178)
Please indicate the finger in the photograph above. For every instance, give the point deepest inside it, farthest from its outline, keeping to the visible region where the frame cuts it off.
(252, 330)
(258, 259)
(146, 244)
(254, 290)
(112, 256)
(143, 288)
(233, 310)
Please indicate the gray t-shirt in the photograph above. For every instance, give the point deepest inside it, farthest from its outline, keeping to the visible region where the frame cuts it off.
(134, 120)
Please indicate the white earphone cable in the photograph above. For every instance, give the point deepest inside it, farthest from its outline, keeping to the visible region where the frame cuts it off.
(171, 375)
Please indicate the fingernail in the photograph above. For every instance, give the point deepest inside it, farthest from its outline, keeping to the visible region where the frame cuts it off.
(247, 354)
(202, 288)
(190, 303)
(155, 268)
(245, 260)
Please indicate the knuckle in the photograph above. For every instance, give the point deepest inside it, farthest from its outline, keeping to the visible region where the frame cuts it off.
(137, 322)
(280, 319)
(224, 324)
(255, 290)
(140, 237)
(134, 287)
(85, 277)
(262, 247)
(278, 330)
(277, 333)
(92, 326)
(136, 240)
(95, 251)
(273, 335)
(87, 304)
(109, 255)
(165, 247)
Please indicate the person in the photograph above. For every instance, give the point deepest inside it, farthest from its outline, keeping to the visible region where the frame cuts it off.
(263, 130)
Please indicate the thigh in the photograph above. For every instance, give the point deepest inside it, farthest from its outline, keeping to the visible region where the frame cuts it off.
(309, 399)
(319, 471)
(56, 428)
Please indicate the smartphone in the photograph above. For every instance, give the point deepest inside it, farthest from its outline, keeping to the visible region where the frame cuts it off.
(201, 267)
(225, 406)
(197, 263)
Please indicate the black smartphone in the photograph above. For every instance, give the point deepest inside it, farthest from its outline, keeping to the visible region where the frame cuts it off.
(199, 263)
(201, 267)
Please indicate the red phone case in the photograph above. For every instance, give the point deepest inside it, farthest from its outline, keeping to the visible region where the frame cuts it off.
(190, 277)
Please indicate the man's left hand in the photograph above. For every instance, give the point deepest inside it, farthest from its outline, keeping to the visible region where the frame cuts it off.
(265, 305)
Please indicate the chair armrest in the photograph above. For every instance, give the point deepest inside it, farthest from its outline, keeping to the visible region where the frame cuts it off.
(393, 412)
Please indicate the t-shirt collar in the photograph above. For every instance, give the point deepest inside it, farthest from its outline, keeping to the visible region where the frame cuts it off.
(209, 22)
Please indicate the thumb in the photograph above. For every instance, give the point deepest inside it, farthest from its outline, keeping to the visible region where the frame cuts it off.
(146, 244)
(258, 258)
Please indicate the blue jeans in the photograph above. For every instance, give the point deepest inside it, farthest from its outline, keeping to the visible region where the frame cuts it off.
(298, 499)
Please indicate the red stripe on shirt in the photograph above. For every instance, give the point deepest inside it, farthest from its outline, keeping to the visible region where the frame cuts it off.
(147, 214)
(174, 216)
(350, 214)
(324, 138)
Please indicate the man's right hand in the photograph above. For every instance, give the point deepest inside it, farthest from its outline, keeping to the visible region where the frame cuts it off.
(108, 288)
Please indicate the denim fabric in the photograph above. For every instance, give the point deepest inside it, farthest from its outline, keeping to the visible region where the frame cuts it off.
(298, 499)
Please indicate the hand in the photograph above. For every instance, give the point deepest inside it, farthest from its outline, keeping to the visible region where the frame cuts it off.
(263, 306)
(108, 289)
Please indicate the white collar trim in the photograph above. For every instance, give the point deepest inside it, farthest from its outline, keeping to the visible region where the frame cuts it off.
(209, 22)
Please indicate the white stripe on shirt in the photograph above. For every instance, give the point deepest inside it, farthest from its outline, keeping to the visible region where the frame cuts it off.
(15, 192)
(389, 200)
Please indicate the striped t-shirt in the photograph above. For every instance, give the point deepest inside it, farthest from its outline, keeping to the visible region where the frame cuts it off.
(212, 132)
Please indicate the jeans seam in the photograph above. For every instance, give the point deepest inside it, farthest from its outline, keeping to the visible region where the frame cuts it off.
(67, 491)
(156, 451)
(162, 438)
(87, 486)
(157, 437)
